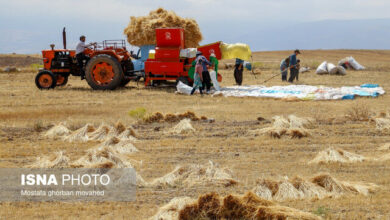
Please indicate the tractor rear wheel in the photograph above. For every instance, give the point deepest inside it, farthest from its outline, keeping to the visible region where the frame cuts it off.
(104, 72)
(45, 80)
(61, 80)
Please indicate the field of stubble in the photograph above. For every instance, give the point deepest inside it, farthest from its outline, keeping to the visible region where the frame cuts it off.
(26, 112)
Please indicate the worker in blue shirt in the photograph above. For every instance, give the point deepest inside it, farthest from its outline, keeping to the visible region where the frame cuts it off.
(293, 66)
(238, 70)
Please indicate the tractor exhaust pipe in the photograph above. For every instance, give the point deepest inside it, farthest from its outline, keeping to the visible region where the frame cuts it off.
(64, 38)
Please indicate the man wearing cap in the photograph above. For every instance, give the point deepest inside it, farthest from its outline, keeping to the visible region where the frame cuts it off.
(293, 66)
(80, 56)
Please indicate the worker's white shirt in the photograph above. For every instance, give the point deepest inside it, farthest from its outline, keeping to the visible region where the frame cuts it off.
(80, 47)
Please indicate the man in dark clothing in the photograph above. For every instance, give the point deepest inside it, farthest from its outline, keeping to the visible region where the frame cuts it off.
(205, 73)
(80, 56)
(293, 66)
(238, 70)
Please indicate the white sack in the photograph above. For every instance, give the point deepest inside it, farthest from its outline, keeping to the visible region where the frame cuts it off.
(332, 69)
(213, 76)
(188, 52)
(322, 68)
(183, 88)
(341, 70)
(355, 64)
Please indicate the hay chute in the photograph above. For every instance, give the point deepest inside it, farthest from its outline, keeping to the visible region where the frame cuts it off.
(141, 30)
(332, 155)
(212, 206)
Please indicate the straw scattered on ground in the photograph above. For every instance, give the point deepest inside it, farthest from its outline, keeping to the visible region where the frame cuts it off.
(385, 147)
(332, 155)
(213, 206)
(141, 30)
(193, 174)
(382, 124)
(292, 126)
(320, 186)
(120, 146)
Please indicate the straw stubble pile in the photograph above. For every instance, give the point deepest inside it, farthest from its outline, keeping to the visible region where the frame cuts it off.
(196, 174)
(332, 155)
(141, 30)
(292, 126)
(212, 206)
(320, 186)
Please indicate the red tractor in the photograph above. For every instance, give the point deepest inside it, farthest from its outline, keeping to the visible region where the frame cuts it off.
(109, 66)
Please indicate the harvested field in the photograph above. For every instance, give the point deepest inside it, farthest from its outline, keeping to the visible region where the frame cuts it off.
(332, 155)
(26, 114)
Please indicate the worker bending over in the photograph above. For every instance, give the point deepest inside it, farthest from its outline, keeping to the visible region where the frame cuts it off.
(284, 68)
(205, 73)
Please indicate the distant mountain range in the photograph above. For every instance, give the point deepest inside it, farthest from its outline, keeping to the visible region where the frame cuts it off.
(260, 35)
(329, 34)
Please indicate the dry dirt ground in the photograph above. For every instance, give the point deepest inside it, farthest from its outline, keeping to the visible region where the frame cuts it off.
(25, 112)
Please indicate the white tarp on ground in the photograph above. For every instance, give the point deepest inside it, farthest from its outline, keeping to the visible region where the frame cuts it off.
(303, 92)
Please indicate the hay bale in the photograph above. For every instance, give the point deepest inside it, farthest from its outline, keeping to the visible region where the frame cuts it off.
(57, 131)
(171, 210)
(81, 134)
(141, 30)
(336, 187)
(120, 146)
(183, 127)
(287, 191)
(292, 126)
(191, 175)
(128, 135)
(332, 155)
(212, 206)
(384, 147)
(103, 157)
(101, 133)
(319, 187)
(382, 124)
(58, 160)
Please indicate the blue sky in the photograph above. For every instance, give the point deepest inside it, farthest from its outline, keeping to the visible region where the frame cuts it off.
(27, 26)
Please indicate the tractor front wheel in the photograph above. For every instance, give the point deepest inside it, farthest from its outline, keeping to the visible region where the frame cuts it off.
(45, 80)
(61, 80)
(104, 72)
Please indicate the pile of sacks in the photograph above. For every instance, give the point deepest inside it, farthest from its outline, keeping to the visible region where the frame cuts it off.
(330, 68)
(340, 69)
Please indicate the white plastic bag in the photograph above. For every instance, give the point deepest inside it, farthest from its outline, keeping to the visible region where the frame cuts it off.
(332, 69)
(355, 64)
(341, 70)
(183, 88)
(188, 52)
(213, 76)
(322, 68)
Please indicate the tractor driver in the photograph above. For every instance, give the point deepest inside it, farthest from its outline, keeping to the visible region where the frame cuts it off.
(80, 56)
